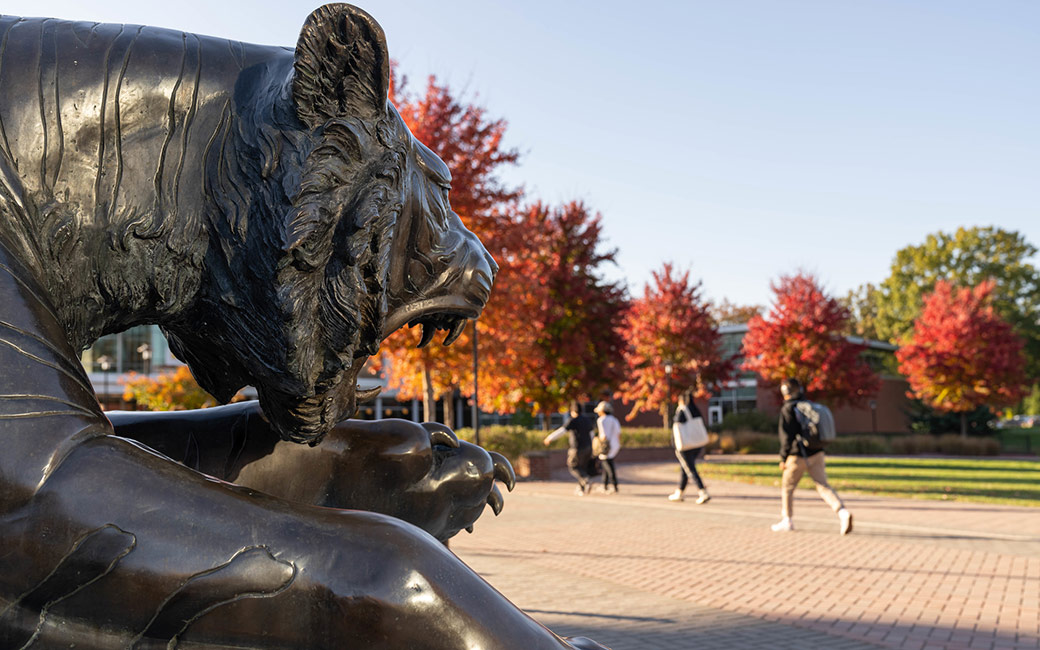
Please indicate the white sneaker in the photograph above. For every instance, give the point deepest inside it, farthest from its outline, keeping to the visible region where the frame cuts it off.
(783, 526)
(703, 497)
(845, 519)
(676, 496)
(580, 490)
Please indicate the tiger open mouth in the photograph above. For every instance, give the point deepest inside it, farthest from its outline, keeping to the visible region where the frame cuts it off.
(447, 313)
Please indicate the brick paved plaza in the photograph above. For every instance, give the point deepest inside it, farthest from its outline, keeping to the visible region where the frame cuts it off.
(635, 571)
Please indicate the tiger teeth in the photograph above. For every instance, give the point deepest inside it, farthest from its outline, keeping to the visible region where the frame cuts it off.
(455, 332)
(428, 330)
(364, 395)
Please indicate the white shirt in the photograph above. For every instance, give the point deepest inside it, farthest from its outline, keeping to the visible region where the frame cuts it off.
(610, 428)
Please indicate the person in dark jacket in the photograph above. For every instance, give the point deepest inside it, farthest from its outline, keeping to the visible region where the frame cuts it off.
(688, 458)
(797, 458)
(579, 453)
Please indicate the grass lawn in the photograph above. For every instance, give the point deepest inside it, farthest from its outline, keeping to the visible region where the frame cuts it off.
(1012, 482)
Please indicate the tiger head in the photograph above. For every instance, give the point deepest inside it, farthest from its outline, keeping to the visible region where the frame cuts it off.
(368, 241)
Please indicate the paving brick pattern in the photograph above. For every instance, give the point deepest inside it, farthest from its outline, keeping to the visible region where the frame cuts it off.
(635, 571)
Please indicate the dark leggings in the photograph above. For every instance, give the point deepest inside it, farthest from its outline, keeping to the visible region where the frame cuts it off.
(687, 459)
(609, 473)
(578, 464)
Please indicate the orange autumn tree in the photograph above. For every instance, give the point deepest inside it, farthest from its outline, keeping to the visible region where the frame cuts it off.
(671, 328)
(470, 143)
(555, 327)
(169, 391)
(801, 337)
(961, 354)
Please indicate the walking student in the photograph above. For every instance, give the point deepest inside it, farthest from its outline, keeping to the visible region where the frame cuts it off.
(610, 434)
(688, 415)
(579, 454)
(797, 458)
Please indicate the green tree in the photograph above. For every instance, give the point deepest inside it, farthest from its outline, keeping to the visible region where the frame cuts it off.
(730, 313)
(965, 258)
(862, 303)
(1031, 403)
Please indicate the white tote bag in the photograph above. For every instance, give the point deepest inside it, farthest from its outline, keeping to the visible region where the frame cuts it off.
(691, 434)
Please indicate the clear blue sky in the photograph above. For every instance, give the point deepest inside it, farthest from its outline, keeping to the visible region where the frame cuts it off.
(741, 138)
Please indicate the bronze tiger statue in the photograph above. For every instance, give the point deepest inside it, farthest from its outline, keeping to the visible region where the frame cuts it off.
(269, 209)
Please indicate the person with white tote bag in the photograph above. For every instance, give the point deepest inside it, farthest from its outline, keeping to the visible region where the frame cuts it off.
(690, 436)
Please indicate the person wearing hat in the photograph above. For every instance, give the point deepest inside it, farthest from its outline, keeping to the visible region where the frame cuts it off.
(609, 430)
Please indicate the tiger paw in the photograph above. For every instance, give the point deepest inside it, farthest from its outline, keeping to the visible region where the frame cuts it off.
(421, 473)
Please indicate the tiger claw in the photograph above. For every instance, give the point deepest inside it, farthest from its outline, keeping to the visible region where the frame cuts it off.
(441, 435)
(495, 500)
(503, 470)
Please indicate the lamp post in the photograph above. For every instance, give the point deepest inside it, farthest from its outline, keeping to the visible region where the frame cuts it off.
(145, 351)
(668, 367)
(105, 362)
(473, 406)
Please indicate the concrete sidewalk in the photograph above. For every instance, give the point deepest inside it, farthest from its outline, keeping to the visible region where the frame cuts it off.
(635, 571)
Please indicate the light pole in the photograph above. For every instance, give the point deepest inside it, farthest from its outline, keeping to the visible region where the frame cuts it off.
(668, 367)
(145, 351)
(473, 406)
(105, 362)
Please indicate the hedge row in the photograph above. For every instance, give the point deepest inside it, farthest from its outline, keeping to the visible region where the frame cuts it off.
(513, 441)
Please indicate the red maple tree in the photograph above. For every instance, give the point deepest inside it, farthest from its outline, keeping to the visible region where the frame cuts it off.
(800, 338)
(471, 145)
(673, 344)
(554, 327)
(961, 354)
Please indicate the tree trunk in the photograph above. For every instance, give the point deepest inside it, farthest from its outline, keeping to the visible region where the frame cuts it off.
(429, 400)
(964, 424)
(448, 403)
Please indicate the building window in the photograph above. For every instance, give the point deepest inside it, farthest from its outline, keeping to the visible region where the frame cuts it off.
(141, 349)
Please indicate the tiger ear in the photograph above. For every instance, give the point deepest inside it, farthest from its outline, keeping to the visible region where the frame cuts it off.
(342, 67)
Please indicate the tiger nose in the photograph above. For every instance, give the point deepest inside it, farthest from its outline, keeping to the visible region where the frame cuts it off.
(490, 261)
(483, 275)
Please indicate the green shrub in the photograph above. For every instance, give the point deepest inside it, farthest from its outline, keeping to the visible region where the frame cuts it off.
(510, 440)
(866, 445)
(954, 445)
(745, 442)
(754, 421)
(918, 443)
(645, 436)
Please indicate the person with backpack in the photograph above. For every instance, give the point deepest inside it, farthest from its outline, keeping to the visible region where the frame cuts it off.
(579, 453)
(802, 428)
(688, 416)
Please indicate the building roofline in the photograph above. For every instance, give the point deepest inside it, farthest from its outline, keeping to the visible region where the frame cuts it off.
(742, 328)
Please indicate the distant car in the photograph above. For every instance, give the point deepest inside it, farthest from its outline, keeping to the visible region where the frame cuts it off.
(1019, 422)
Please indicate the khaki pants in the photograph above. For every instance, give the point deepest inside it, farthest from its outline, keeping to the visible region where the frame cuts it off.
(794, 468)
